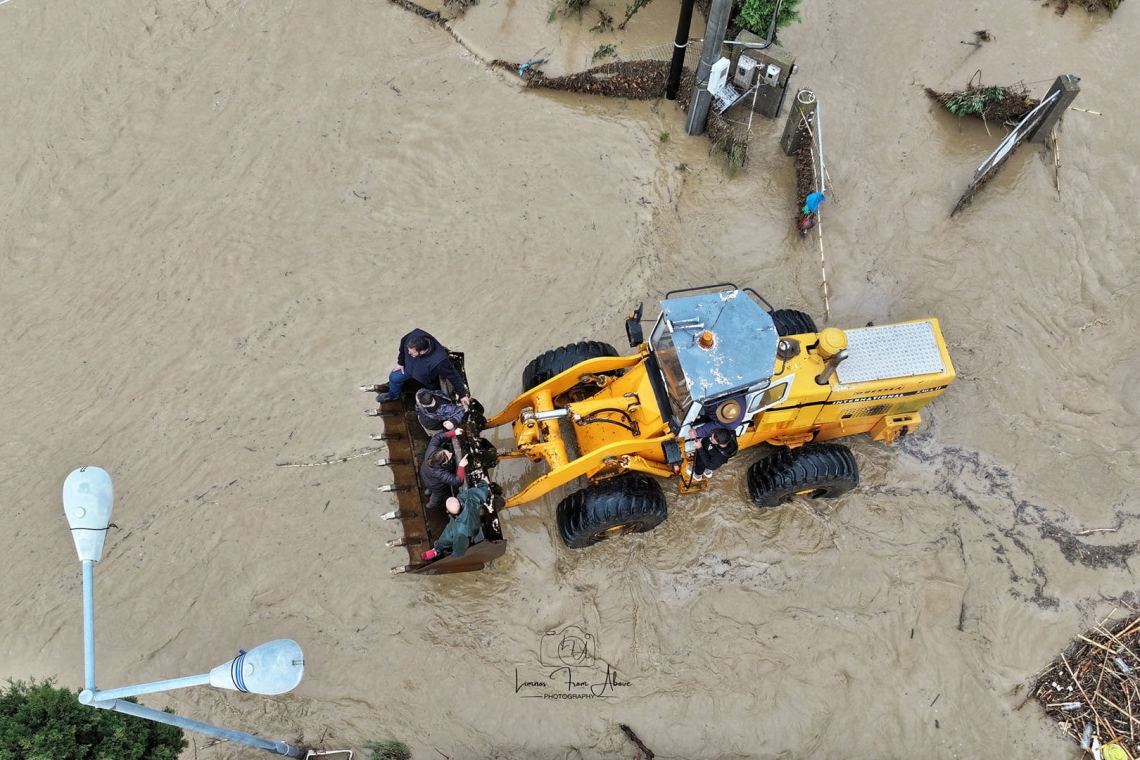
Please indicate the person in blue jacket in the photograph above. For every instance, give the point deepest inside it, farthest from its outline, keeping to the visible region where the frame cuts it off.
(422, 358)
(464, 526)
(436, 411)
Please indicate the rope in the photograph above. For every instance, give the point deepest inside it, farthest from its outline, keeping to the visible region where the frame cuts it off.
(331, 461)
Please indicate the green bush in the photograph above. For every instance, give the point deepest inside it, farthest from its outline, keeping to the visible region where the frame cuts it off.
(756, 15)
(41, 722)
(389, 749)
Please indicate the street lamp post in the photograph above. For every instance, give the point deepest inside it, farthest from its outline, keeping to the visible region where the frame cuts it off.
(272, 668)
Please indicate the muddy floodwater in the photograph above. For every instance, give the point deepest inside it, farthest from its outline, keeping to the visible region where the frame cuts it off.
(217, 219)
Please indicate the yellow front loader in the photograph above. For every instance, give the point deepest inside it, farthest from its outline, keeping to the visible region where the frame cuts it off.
(718, 353)
(768, 375)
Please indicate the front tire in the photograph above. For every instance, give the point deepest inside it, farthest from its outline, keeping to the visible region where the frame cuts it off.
(616, 507)
(813, 471)
(558, 360)
(792, 322)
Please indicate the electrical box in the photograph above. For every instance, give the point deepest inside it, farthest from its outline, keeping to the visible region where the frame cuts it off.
(772, 70)
(746, 69)
(718, 76)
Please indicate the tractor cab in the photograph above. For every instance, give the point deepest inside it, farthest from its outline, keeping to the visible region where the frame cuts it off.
(715, 355)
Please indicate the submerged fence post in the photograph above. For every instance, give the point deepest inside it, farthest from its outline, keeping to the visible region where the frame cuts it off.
(1036, 126)
(799, 116)
(1069, 87)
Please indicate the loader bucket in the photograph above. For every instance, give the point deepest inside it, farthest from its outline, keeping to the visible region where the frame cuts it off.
(407, 442)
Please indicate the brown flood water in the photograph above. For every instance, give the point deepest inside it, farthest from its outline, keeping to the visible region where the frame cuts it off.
(219, 217)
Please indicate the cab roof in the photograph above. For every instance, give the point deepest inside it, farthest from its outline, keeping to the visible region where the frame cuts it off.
(743, 351)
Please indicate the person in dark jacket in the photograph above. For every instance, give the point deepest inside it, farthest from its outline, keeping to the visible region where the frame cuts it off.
(464, 526)
(712, 452)
(424, 360)
(726, 414)
(437, 411)
(440, 472)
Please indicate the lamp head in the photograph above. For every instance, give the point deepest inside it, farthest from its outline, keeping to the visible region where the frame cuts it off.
(272, 668)
(88, 498)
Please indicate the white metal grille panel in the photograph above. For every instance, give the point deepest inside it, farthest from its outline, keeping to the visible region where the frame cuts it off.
(882, 353)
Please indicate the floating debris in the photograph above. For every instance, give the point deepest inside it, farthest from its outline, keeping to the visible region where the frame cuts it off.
(1091, 6)
(1002, 105)
(1093, 689)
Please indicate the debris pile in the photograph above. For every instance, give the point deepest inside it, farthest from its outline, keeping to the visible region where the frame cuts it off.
(1093, 689)
(1091, 6)
(806, 180)
(637, 80)
(641, 80)
(1002, 105)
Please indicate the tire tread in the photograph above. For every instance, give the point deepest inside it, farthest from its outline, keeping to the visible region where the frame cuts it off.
(828, 466)
(558, 360)
(792, 322)
(623, 499)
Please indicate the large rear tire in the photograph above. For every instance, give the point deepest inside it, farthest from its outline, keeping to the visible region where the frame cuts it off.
(616, 507)
(813, 471)
(792, 322)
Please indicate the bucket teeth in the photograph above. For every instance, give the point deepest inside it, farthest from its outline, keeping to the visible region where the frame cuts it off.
(390, 462)
(387, 436)
(406, 540)
(393, 487)
(397, 514)
(401, 569)
(382, 412)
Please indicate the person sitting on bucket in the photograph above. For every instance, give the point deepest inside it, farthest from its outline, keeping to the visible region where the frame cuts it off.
(437, 411)
(439, 471)
(464, 526)
(712, 452)
(424, 360)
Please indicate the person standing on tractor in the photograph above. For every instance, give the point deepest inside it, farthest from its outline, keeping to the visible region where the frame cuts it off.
(423, 359)
(464, 526)
(712, 452)
(440, 472)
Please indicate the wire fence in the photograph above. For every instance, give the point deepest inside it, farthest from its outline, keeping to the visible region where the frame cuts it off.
(665, 53)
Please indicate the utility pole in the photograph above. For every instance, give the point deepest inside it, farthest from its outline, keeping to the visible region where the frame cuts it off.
(680, 47)
(714, 40)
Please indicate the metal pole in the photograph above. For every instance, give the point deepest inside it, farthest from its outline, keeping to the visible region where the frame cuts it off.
(87, 696)
(150, 688)
(680, 46)
(147, 713)
(710, 54)
(88, 625)
(819, 142)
